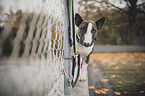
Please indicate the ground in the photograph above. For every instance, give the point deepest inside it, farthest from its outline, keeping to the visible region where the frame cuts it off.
(114, 74)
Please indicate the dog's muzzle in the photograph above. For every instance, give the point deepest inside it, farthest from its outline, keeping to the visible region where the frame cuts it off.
(83, 43)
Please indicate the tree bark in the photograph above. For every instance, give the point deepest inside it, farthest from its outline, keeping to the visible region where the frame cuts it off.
(132, 20)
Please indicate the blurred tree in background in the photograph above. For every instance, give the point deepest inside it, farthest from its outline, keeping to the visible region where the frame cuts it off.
(124, 25)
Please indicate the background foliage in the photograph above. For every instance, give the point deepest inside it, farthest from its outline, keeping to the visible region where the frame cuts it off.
(123, 26)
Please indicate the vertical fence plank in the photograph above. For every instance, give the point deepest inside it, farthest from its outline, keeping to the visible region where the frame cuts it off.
(67, 51)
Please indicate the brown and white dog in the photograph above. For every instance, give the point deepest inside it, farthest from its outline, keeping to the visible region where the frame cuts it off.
(86, 35)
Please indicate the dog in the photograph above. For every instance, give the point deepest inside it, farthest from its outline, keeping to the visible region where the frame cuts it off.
(85, 37)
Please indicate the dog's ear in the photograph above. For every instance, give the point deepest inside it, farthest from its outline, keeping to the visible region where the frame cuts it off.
(100, 23)
(78, 19)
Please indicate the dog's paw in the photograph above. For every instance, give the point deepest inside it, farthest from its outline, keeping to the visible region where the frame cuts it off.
(83, 73)
(82, 79)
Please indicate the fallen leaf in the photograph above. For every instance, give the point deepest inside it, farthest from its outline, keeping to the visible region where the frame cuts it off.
(116, 68)
(91, 87)
(105, 76)
(103, 92)
(95, 70)
(117, 93)
(97, 92)
(93, 64)
(118, 86)
(105, 89)
(137, 64)
(125, 92)
(120, 82)
(113, 76)
(141, 92)
(104, 80)
(128, 81)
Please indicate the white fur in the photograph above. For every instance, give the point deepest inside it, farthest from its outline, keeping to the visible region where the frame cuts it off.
(88, 35)
(83, 72)
(84, 51)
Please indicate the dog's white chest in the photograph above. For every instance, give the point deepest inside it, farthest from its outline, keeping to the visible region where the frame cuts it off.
(84, 51)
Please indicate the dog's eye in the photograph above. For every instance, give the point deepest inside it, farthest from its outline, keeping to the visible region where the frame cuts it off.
(82, 28)
(93, 30)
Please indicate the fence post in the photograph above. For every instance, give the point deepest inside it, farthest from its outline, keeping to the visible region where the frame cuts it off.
(67, 51)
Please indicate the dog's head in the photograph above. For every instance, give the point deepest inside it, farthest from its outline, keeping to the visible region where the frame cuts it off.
(87, 30)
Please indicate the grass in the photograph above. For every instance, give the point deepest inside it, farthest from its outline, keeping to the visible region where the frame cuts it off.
(124, 71)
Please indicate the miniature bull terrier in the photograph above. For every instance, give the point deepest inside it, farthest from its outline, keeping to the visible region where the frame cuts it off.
(85, 37)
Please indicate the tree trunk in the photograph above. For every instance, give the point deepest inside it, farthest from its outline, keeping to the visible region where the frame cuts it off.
(132, 21)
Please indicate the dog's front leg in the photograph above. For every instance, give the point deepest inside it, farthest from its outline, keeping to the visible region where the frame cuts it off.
(83, 72)
(87, 59)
